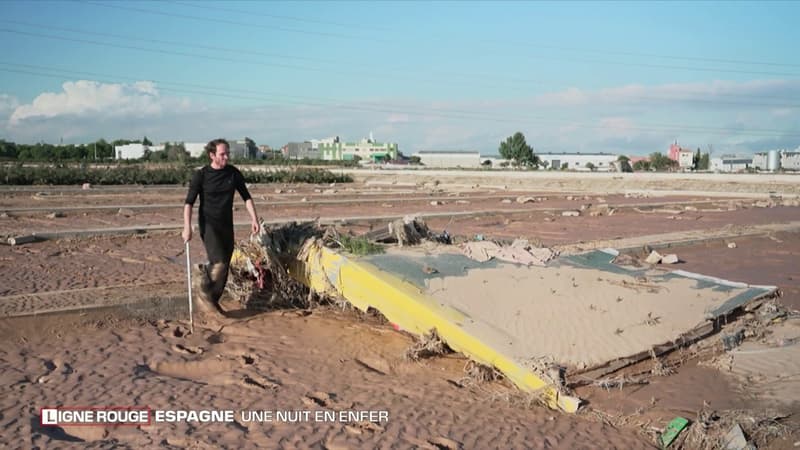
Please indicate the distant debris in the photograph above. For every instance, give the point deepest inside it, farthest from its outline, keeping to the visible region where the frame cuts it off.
(653, 258)
(519, 252)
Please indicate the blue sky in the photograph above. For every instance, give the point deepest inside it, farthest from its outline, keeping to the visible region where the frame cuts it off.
(627, 77)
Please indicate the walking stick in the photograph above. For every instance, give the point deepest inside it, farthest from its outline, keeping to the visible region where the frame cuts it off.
(189, 283)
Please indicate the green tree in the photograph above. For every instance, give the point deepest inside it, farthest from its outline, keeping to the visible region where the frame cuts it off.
(146, 141)
(517, 150)
(624, 164)
(8, 149)
(661, 162)
(176, 152)
(696, 160)
(705, 162)
(590, 166)
(104, 149)
(641, 165)
(414, 160)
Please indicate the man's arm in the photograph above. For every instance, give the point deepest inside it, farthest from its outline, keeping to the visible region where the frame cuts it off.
(187, 223)
(248, 202)
(195, 186)
(251, 209)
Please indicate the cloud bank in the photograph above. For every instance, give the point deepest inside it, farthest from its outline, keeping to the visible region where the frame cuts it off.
(634, 119)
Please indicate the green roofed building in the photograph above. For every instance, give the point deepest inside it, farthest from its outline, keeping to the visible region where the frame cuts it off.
(366, 149)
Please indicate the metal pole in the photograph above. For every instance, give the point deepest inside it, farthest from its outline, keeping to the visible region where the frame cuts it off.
(189, 283)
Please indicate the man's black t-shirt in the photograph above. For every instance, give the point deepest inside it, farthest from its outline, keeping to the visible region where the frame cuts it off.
(215, 188)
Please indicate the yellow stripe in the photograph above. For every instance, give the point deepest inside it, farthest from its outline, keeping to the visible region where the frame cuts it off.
(365, 286)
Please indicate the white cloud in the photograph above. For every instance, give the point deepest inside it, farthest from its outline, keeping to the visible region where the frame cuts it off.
(397, 118)
(634, 118)
(7, 104)
(88, 99)
(570, 97)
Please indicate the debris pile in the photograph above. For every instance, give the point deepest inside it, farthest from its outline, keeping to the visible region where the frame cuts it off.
(519, 252)
(723, 429)
(410, 230)
(259, 278)
(259, 274)
(429, 345)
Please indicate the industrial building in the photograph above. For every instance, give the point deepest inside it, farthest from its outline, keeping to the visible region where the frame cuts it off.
(731, 163)
(777, 160)
(130, 151)
(449, 158)
(300, 150)
(366, 149)
(602, 162)
(195, 149)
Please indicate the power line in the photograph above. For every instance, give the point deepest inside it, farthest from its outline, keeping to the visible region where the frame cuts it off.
(448, 114)
(281, 17)
(161, 41)
(226, 21)
(651, 66)
(317, 69)
(647, 55)
(218, 58)
(503, 43)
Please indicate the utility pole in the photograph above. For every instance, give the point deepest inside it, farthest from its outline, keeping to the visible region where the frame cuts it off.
(95, 150)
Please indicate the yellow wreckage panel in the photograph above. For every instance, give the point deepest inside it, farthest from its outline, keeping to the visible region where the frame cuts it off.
(365, 286)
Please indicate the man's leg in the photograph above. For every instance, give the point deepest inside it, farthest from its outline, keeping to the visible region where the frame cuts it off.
(204, 284)
(201, 282)
(218, 274)
(219, 247)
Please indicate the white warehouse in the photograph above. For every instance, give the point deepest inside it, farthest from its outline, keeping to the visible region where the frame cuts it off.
(434, 158)
(195, 149)
(602, 162)
(129, 151)
(731, 163)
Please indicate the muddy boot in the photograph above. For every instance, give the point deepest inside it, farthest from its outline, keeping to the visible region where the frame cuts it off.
(201, 285)
(218, 276)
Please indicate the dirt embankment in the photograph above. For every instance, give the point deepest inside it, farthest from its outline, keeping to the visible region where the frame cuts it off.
(784, 184)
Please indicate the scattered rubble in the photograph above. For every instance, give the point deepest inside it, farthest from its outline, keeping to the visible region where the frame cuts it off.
(712, 429)
(429, 345)
(653, 258)
(519, 252)
(571, 213)
(670, 259)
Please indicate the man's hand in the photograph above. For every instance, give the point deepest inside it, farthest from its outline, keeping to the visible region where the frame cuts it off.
(255, 227)
(186, 234)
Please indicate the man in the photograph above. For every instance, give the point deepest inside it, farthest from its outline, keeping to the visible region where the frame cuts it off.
(216, 184)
